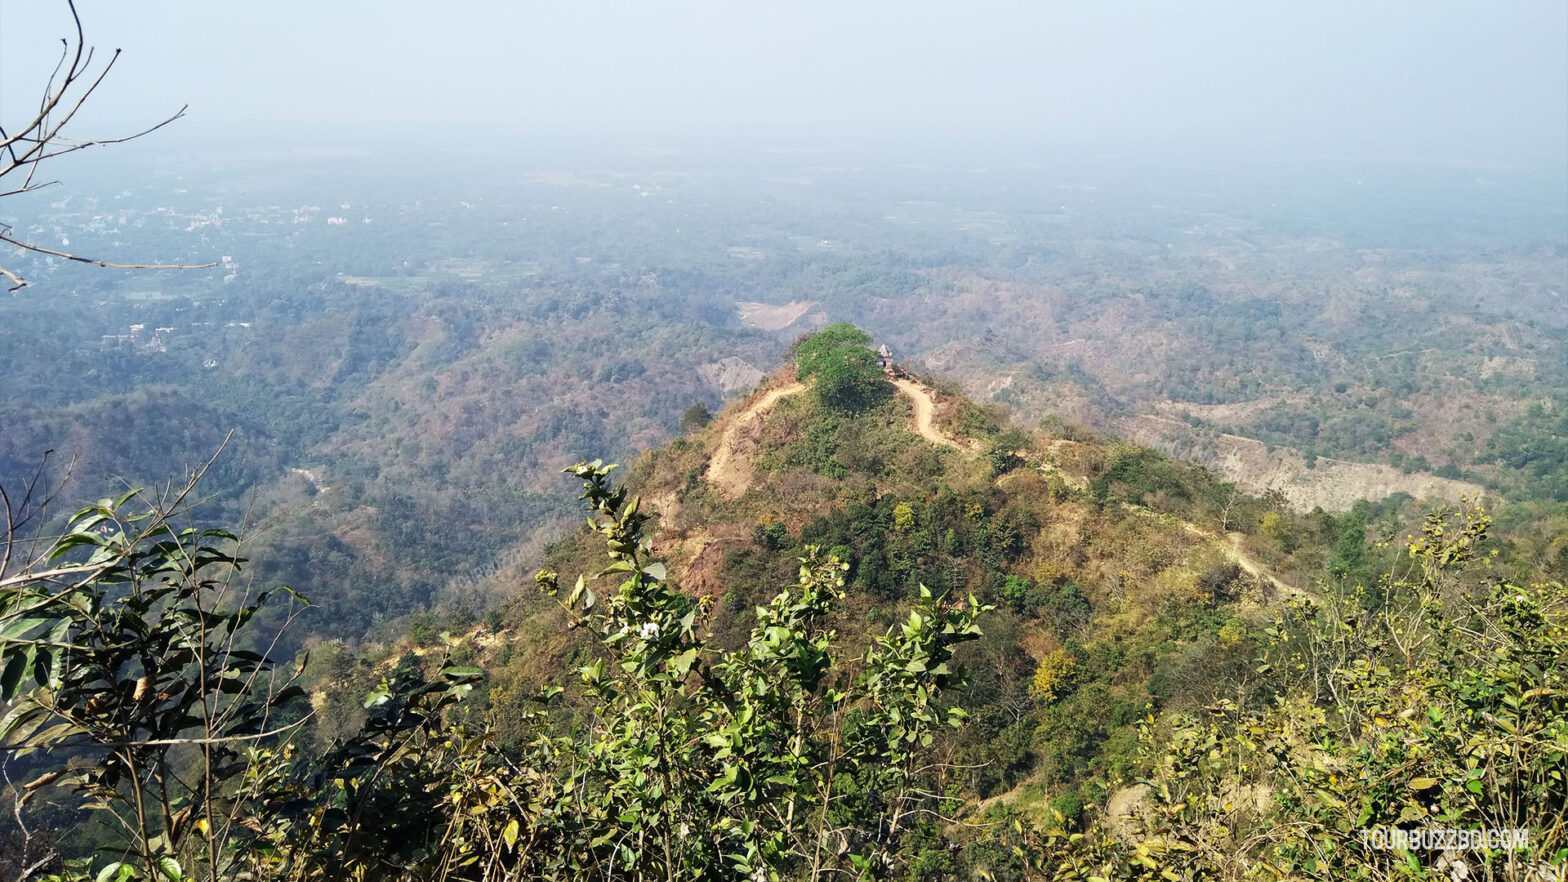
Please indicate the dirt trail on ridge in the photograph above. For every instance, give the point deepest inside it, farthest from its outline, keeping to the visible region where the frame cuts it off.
(1254, 568)
(730, 468)
(1250, 565)
(925, 409)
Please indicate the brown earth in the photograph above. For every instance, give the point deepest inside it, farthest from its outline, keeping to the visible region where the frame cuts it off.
(767, 317)
(1237, 551)
(1333, 484)
(925, 410)
(730, 469)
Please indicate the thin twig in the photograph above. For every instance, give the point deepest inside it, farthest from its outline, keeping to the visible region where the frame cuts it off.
(104, 263)
(24, 150)
(164, 742)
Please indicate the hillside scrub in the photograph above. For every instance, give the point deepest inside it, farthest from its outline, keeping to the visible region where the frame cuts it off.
(959, 666)
(1444, 708)
(777, 759)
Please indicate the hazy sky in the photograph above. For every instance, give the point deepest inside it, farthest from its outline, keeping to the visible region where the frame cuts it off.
(1446, 81)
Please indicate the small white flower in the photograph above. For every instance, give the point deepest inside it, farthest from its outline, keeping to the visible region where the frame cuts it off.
(649, 630)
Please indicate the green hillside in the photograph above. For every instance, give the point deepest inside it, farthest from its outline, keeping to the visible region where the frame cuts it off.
(885, 634)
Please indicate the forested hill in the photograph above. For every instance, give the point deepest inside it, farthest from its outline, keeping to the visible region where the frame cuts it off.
(1136, 580)
(857, 625)
(1128, 592)
(1132, 598)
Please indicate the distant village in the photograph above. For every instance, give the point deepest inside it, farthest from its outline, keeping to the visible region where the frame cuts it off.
(95, 226)
(87, 222)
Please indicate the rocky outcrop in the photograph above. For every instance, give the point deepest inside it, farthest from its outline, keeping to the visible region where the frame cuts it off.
(730, 376)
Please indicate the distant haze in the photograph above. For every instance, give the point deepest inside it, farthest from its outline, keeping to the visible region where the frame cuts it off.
(1473, 83)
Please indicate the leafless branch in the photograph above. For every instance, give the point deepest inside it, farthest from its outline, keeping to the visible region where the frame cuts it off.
(42, 138)
(163, 507)
(161, 742)
(22, 542)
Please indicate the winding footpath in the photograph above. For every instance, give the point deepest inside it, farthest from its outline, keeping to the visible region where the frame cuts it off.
(1236, 551)
(925, 409)
(730, 469)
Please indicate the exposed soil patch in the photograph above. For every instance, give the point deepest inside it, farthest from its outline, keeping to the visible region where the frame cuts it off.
(925, 409)
(767, 317)
(730, 469)
(1333, 484)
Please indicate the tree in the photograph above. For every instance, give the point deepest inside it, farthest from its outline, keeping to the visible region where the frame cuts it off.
(124, 663)
(43, 136)
(696, 417)
(813, 351)
(846, 372)
(770, 761)
(1055, 676)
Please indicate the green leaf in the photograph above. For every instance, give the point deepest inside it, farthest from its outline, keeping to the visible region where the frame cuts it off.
(54, 734)
(1422, 783)
(18, 629)
(116, 872)
(681, 664)
(21, 722)
(169, 868)
(378, 696)
(509, 833)
(16, 665)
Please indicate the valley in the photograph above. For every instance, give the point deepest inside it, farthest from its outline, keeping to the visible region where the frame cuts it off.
(437, 387)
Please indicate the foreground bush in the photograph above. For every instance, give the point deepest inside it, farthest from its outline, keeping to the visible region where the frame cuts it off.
(776, 760)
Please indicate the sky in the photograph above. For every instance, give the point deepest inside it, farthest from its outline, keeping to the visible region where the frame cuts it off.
(1428, 80)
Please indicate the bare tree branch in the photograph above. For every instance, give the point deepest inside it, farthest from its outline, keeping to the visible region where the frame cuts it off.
(160, 742)
(24, 150)
(105, 263)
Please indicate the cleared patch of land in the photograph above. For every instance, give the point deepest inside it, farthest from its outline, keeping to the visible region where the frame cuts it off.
(1333, 484)
(767, 317)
